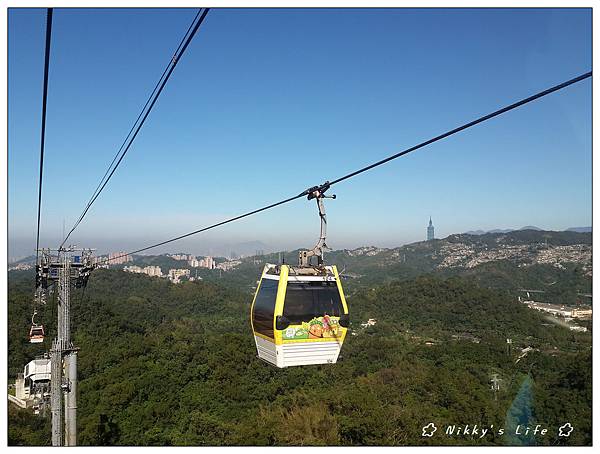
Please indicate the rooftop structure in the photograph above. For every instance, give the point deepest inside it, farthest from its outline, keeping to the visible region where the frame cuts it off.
(32, 387)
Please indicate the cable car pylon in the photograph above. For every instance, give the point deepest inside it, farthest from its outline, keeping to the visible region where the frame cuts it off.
(64, 268)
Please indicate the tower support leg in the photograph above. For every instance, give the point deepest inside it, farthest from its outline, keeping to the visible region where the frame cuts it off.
(71, 400)
(56, 393)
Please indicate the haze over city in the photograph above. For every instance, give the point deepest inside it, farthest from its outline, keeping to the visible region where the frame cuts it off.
(267, 103)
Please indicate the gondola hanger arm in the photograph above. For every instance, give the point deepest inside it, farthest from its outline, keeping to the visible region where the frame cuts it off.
(318, 193)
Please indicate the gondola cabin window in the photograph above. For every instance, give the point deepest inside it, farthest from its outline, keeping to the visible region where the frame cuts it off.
(264, 307)
(307, 300)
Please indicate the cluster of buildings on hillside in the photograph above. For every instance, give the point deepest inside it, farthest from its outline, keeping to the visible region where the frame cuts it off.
(556, 255)
(560, 310)
(228, 265)
(118, 258)
(565, 312)
(194, 262)
(469, 256)
(174, 275)
(149, 270)
(20, 266)
(365, 250)
(180, 256)
(206, 262)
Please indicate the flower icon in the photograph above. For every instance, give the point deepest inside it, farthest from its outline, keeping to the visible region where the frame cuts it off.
(565, 430)
(429, 430)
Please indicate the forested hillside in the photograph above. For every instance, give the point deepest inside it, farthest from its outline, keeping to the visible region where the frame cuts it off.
(175, 364)
(558, 264)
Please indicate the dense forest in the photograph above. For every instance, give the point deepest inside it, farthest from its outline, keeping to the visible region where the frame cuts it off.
(175, 364)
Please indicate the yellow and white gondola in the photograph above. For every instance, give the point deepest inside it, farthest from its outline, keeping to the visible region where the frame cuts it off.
(299, 313)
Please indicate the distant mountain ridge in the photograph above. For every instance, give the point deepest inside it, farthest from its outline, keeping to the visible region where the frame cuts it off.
(28, 259)
(579, 229)
(527, 227)
(464, 250)
(557, 262)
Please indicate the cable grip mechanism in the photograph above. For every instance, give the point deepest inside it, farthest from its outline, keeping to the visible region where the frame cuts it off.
(318, 193)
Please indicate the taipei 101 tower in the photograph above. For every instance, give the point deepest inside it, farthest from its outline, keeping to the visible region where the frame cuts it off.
(430, 230)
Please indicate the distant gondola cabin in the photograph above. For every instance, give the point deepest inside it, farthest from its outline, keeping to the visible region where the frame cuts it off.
(299, 315)
(36, 334)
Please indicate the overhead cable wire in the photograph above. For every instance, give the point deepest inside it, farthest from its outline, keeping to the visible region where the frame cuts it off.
(43, 133)
(466, 125)
(328, 184)
(137, 120)
(218, 224)
(191, 32)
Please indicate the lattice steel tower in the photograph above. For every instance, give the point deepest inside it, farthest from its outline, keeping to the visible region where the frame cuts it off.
(65, 267)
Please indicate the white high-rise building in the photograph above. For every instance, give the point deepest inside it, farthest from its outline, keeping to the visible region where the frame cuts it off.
(153, 271)
(133, 269)
(174, 275)
(149, 270)
(117, 258)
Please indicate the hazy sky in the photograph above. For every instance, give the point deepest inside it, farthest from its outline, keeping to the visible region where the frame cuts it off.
(267, 102)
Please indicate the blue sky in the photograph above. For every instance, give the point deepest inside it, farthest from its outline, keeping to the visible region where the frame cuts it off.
(268, 102)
